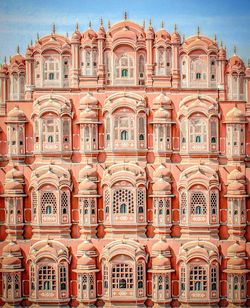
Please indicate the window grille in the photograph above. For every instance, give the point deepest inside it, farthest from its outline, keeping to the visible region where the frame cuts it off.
(140, 276)
(122, 276)
(123, 196)
(64, 203)
(198, 279)
(198, 203)
(63, 277)
(48, 200)
(47, 278)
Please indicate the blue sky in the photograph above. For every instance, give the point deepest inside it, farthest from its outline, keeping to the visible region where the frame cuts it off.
(20, 20)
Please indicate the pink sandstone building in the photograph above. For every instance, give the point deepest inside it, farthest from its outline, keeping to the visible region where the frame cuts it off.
(125, 167)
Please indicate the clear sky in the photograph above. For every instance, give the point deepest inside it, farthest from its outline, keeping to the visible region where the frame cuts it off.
(20, 20)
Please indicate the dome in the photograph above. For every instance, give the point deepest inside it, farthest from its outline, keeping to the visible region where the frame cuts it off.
(125, 33)
(162, 114)
(175, 38)
(88, 100)
(161, 261)
(150, 32)
(161, 100)
(13, 186)
(16, 114)
(236, 175)
(101, 33)
(86, 261)
(88, 115)
(162, 186)
(14, 174)
(87, 248)
(235, 115)
(162, 34)
(11, 261)
(235, 249)
(88, 172)
(222, 53)
(17, 59)
(13, 249)
(89, 34)
(237, 262)
(87, 186)
(236, 188)
(160, 247)
(235, 63)
(162, 171)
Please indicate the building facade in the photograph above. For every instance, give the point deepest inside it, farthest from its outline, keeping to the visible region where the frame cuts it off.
(125, 167)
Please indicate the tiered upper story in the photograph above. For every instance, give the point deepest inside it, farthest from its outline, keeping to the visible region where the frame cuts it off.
(126, 54)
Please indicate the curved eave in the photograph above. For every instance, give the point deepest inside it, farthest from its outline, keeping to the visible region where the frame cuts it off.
(236, 271)
(159, 271)
(237, 196)
(161, 195)
(88, 122)
(162, 122)
(13, 195)
(87, 195)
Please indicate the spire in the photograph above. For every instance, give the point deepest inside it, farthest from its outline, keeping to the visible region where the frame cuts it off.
(162, 24)
(198, 31)
(67, 34)
(183, 38)
(90, 25)
(18, 50)
(221, 44)
(5, 60)
(101, 22)
(109, 25)
(150, 23)
(31, 43)
(215, 38)
(37, 36)
(175, 28)
(76, 27)
(125, 15)
(143, 24)
(53, 28)
(235, 50)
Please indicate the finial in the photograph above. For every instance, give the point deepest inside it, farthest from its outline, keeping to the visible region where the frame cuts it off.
(54, 28)
(143, 24)
(175, 28)
(221, 44)
(215, 38)
(162, 24)
(198, 31)
(125, 15)
(67, 34)
(235, 50)
(183, 38)
(225, 48)
(101, 22)
(150, 23)
(31, 42)
(90, 25)
(109, 25)
(76, 28)
(18, 50)
(5, 60)
(249, 62)
(37, 36)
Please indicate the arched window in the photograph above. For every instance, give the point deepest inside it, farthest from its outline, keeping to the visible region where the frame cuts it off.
(141, 66)
(124, 135)
(124, 72)
(123, 208)
(48, 203)
(48, 209)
